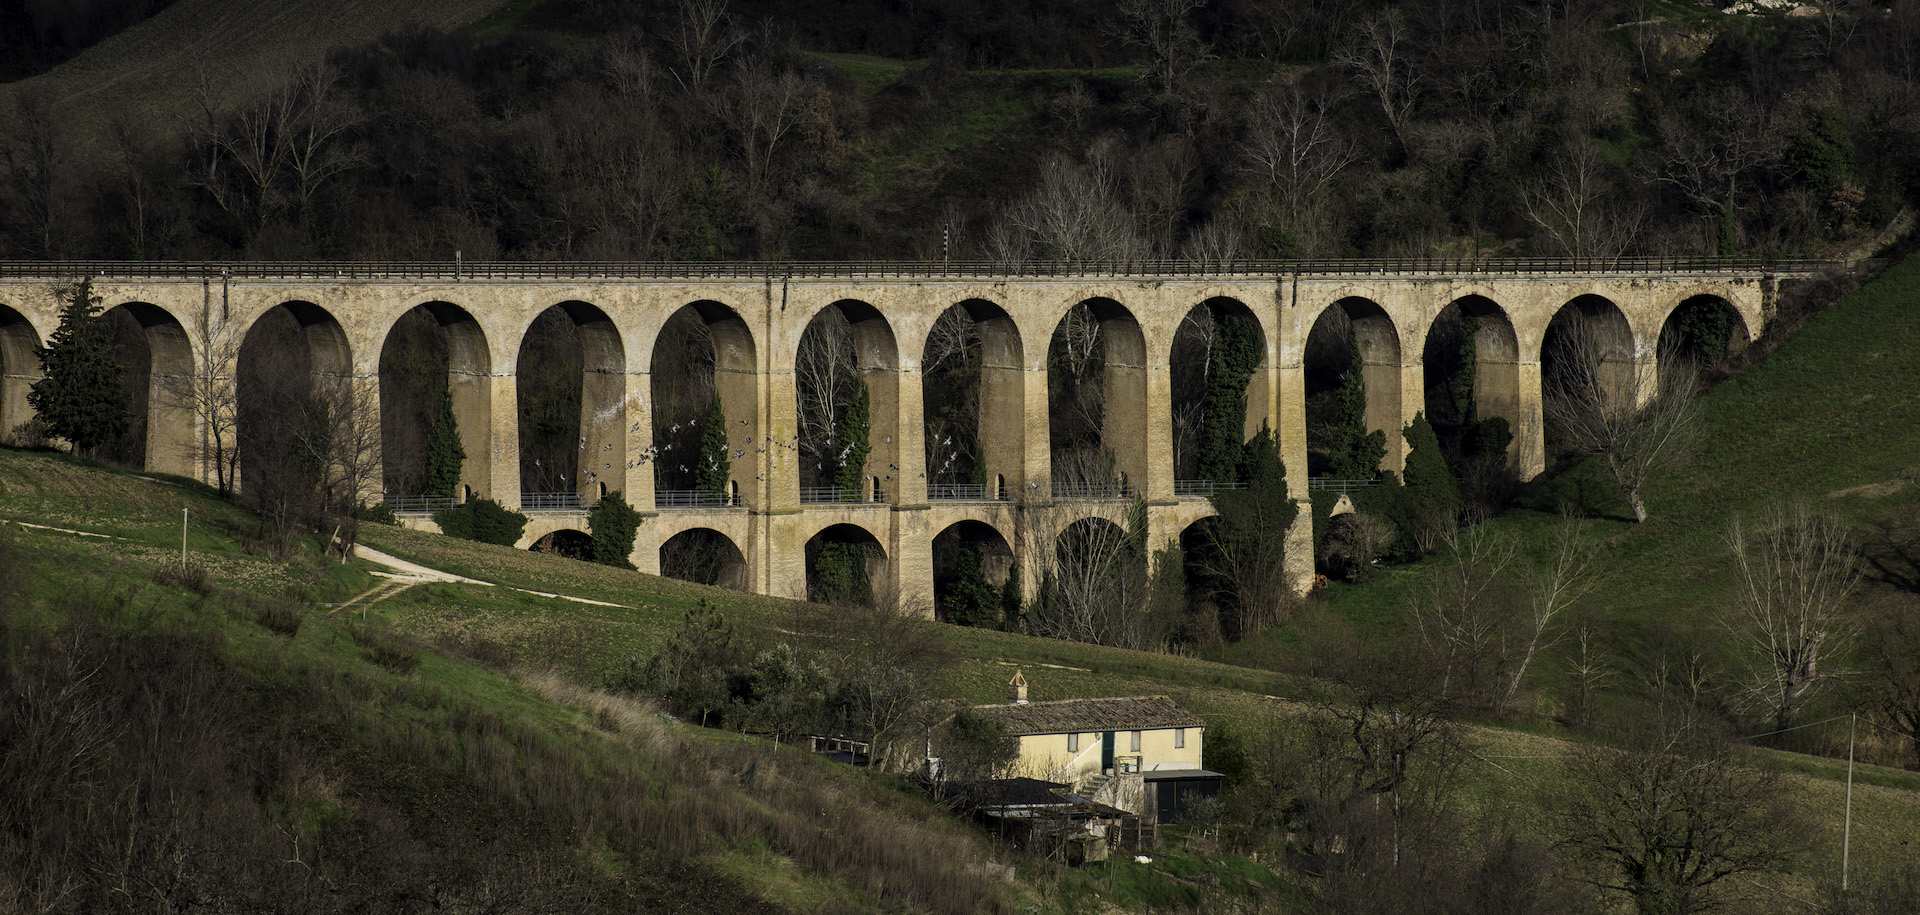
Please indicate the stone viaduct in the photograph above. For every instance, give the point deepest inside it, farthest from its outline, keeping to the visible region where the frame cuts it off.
(755, 314)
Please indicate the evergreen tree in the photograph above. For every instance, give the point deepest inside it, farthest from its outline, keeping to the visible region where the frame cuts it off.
(1230, 363)
(851, 446)
(1250, 538)
(968, 600)
(81, 397)
(483, 520)
(1354, 453)
(715, 469)
(613, 523)
(445, 455)
(1430, 502)
(1010, 607)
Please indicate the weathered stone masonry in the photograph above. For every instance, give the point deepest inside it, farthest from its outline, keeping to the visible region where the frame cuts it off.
(756, 322)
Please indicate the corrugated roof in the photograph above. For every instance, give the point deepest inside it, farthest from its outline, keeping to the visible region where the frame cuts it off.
(1067, 716)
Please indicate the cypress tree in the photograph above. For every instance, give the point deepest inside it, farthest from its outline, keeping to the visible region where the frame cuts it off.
(1251, 535)
(715, 469)
(1466, 408)
(851, 446)
(1230, 364)
(445, 455)
(1430, 501)
(80, 396)
(1355, 453)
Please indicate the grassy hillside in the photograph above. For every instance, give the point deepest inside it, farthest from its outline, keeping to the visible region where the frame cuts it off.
(430, 717)
(1832, 419)
(232, 735)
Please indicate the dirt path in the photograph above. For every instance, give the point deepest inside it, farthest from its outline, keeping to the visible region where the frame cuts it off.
(409, 574)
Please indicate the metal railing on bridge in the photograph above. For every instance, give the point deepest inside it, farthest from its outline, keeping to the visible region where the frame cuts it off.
(1329, 484)
(418, 505)
(963, 492)
(553, 502)
(1199, 489)
(693, 498)
(763, 270)
(1072, 490)
(832, 495)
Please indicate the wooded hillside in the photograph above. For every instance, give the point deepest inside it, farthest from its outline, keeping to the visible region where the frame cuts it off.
(1163, 128)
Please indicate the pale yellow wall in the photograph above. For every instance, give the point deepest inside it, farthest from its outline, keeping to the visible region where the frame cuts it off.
(1045, 756)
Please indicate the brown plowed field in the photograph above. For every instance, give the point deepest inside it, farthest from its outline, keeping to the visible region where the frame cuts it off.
(151, 71)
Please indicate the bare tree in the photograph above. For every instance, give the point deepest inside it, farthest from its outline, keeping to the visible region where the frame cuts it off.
(344, 431)
(1548, 594)
(1574, 204)
(276, 151)
(1792, 615)
(1094, 576)
(1293, 143)
(210, 394)
(826, 380)
(1665, 820)
(1708, 150)
(761, 108)
(1076, 215)
(1591, 405)
(1163, 29)
(1464, 616)
(703, 35)
(1382, 57)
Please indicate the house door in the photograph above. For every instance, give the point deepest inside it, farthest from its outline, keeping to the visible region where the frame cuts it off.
(1106, 751)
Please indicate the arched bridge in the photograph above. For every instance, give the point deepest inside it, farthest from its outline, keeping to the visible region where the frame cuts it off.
(194, 320)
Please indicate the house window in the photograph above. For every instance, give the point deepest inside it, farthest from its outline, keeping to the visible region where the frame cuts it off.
(1134, 742)
(1073, 743)
(1180, 738)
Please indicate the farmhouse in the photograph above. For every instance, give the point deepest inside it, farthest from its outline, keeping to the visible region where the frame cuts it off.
(1138, 753)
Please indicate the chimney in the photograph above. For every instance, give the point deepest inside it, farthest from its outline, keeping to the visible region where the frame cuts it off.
(1017, 688)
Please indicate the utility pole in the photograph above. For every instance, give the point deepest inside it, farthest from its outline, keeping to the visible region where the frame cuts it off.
(1846, 829)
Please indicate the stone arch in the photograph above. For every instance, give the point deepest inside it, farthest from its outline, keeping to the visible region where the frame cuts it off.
(1208, 589)
(435, 346)
(156, 368)
(704, 350)
(1350, 324)
(571, 389)
(291, 354)
(846, 563)
(845, 342)
(1099, 582)
(1589, 341)
(1495, 388)
(1097, 399)
(992, 560)
(19, 369)
(1190, 365)
(1703, 329)
(973, 402)
(567, 542)
(704, 556)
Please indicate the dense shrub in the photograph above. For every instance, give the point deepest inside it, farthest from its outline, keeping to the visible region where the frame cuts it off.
(483, 520)
(613, 523)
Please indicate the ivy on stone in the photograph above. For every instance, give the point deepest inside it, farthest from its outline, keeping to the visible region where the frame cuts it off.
(1354, 453)
(851, 446)
(1231, 360)
(715, 468)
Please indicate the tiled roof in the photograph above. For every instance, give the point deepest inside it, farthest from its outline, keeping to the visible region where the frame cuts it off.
(1067, 716)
